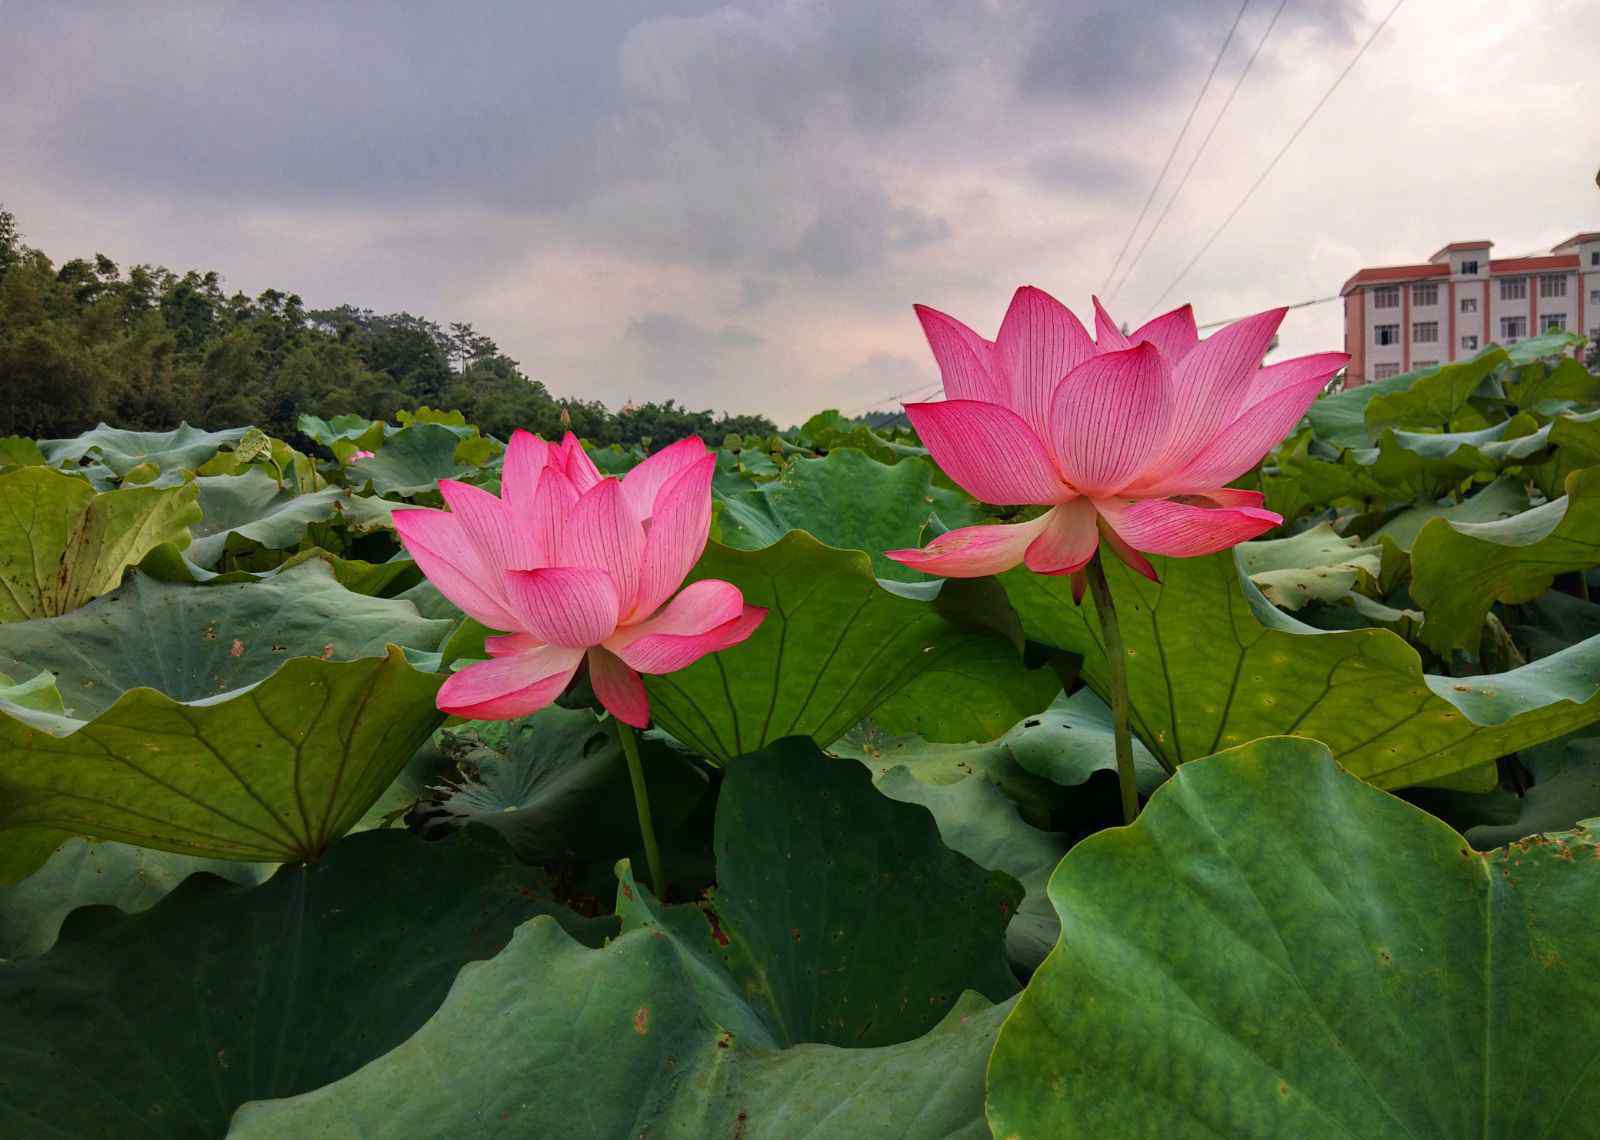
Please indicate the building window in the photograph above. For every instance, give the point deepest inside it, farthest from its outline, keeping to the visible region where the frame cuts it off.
(1594, 296)
(1384, 371)
(1553, 285)
(1386, 334)
(1470, 268)
(1424, 332)
(1550, 322)
(1594, 257)
(1514, 289)
(1513, 327)
(1469, 344)
(1386, 297)
(1426, 294)
(1425, 364)
(1469, 304)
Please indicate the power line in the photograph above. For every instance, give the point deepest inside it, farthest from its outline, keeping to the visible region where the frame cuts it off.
(1215, 123)
(1296, 305)
(1254, 186)
(1173, 153)
(923, 390)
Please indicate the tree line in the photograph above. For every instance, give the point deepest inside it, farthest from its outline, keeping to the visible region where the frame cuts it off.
(148, 348)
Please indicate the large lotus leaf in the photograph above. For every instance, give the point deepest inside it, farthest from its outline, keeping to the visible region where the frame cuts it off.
(1341, 419)
(1575, 439)
(273, 773)
(835, 645)
(1316, 565)
(1412, 465)
(390, 578)
(86, 873)
(412, 461)
(636, 1039)
(556, 787)
(62, 543)
(1212, 664)
(1065, 744)
(1505, 497)
(809, 854)
(348, 427)
(19, 451)
(848, 500)
(183, 448)
(1433, 400)
(241, 512)
(845, 920)
(1459, 569)
(1566, 791)
(160, 1024)
(192, 642)
(1554, 621)
(977, 819)
(1562, 380)
(1276, 949)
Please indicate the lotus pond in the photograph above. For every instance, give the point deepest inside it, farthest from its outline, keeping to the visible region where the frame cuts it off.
(257, 884)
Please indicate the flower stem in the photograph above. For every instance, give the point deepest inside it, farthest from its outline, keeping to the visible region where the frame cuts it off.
(641, 803)
(1117, 661)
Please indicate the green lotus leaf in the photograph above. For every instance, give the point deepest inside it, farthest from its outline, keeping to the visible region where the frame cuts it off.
(555, 785)
(881, 964)
(63, 543)
(348, 427)
(195, 642)
(1563, 380)
(840, 918)
(1277, 949)
(241, 513)
(1340, 420)
(1212, 664)
(1505, 497)
(412, 461)
(1459, 569)
(83, 873)
(836, 645)
(1316, 565)
(1412, 465)
(1566, 791)
(847, 500)
(161, 1024)
(1575, 440)
(18, 451)
(183, 448)
(978, 820)
(167, 563)
(270, 773)
(1434, 399)
(38, 692)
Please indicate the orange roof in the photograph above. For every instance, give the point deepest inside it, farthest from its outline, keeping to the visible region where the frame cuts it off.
(1527, 264)
(1576, 239)
(1460, 245)
(1386, 273)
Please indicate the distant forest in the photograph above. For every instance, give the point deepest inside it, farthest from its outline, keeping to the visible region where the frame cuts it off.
(84, 342)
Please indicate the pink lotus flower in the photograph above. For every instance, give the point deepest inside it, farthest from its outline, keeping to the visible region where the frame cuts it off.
(574, 565)
(1130, 438)
(358, 455)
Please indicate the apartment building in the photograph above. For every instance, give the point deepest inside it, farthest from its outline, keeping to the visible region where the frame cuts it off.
(1401, 317)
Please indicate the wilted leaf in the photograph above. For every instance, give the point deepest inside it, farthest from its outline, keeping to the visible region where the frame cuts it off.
(62, 543)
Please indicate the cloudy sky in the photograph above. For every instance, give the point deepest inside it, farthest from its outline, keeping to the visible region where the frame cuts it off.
(737, 204)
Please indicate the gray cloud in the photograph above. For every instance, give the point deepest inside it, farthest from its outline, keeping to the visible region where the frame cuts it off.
(672, 197)
(1107, 53)
(669, 331)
